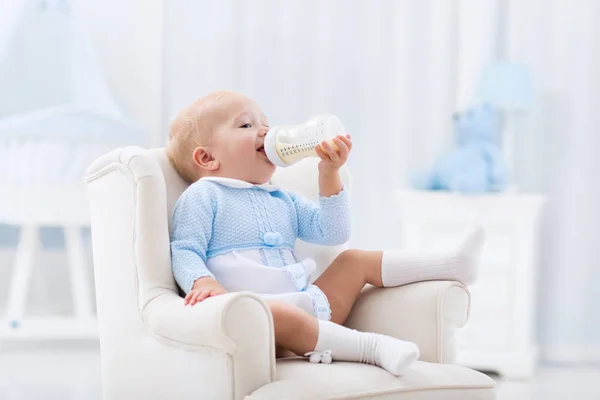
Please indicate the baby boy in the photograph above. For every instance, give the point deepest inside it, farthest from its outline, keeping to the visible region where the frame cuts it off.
(233, 231)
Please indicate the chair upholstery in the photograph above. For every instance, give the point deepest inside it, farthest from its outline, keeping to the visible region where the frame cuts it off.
(153, 347)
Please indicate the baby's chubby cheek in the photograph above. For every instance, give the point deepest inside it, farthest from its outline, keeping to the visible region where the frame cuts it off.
(242, 148)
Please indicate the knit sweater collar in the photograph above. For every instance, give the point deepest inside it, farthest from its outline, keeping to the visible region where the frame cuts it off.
(239, 184)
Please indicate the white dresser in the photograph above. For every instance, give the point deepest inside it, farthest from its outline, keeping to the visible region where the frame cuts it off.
(500, 334)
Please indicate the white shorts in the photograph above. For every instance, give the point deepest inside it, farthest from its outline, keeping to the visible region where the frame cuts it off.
(312, 300)
(244, 270)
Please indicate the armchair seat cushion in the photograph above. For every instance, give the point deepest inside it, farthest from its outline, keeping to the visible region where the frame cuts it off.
(299, 379)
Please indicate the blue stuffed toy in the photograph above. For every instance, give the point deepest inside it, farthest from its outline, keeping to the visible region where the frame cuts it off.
(477, 164)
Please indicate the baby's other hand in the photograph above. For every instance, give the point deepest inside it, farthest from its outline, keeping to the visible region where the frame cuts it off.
(203, 288)
(333, 158)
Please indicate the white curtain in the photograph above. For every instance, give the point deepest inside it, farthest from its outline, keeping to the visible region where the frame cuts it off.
(395, 71)
(557, 154)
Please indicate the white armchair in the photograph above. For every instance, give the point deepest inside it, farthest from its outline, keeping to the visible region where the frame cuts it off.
(153, 347)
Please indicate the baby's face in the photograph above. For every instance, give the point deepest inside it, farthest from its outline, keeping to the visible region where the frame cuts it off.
(239, 140)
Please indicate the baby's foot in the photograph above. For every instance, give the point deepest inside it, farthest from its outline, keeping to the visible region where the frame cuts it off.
(338, 343)
(468, 254)
(394, 355)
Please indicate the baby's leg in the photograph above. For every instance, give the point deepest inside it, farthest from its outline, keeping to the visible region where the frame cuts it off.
(295, 329)
(352, 269)
(302, 333)
(343, 280)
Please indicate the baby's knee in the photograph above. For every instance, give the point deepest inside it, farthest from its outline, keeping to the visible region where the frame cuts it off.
(288, 317)
(349, 256)
(281, 311)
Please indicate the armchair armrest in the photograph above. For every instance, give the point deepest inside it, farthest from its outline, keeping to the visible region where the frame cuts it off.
(427, 313)
(220, 348)
(237, 324)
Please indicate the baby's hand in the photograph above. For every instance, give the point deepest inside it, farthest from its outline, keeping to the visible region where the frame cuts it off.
(203, 288)
(333, 158)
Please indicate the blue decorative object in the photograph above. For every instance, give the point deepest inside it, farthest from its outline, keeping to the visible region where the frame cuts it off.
(477, 164)
(273, 239)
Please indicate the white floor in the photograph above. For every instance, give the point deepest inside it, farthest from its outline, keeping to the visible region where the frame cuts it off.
(75, 375)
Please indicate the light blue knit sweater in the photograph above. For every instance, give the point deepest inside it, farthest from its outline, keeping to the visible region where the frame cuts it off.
(211, 218)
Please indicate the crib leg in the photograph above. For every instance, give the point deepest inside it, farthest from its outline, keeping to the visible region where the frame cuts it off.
(23, 266)
(77, 267)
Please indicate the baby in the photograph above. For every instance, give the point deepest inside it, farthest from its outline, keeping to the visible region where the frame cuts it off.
(232, 231)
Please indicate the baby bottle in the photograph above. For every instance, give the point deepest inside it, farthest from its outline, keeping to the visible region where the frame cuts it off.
(288, 144)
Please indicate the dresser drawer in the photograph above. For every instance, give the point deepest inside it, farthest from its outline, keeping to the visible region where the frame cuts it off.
(490, 324)
(491, 290)
(500, 247)
(489, 327)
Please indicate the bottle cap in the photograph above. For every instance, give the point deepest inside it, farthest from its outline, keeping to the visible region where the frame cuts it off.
(271, 149)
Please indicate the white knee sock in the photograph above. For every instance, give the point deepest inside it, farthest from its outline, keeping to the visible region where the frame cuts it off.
(393, 355)
(400, 268)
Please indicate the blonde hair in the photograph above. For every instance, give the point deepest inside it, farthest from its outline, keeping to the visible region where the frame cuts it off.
(192, 128)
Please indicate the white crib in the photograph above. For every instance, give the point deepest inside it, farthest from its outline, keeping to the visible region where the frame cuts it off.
(55, 119)
(41, 185)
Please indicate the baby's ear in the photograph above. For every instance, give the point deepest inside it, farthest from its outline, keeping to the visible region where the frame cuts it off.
(204, 159)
